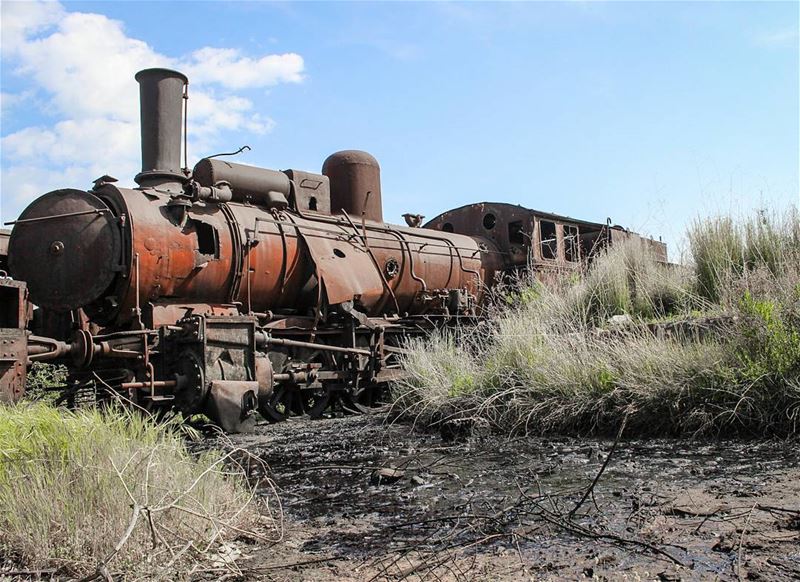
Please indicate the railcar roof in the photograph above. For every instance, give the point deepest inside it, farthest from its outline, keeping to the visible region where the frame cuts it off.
(537, 213)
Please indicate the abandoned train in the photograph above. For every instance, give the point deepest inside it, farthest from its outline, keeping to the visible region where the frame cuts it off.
(229, 288)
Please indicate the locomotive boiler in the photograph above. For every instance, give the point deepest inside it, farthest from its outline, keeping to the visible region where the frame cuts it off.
(228, 288)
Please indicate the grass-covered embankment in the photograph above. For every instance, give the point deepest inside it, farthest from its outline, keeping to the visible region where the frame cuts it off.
(111, 491)
(550, 358)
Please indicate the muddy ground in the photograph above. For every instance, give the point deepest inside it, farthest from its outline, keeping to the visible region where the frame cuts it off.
(367, 500)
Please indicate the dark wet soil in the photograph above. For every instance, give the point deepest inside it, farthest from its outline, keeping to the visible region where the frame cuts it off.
(366, 500)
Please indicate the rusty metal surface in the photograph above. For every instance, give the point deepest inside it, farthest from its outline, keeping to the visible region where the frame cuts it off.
(166, 313)
(232, 404)
(312, 192)
(13, 363)
(388, 269)
(243, 254)
(67, 261)
(13, 339)
(355, 184)
(521, 234)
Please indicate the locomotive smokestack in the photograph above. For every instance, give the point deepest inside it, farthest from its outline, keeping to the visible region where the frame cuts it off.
(161, 102)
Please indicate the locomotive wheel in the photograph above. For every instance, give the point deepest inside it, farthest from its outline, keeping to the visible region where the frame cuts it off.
(367, 401)
(311, 403)
(288, 401)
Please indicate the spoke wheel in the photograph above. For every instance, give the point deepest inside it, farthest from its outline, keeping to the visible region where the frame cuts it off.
(368, 400)
(311, 403)
(279, 406)
(289, 401)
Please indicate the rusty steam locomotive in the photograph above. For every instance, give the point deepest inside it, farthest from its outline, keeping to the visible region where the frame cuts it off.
(230, 288)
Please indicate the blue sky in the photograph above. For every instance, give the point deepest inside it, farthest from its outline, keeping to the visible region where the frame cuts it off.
(648, 113)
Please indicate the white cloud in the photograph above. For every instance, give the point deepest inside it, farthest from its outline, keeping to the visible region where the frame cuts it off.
(229, 68)
(87, 66)
(23, 19)
(24, 182)
(81, 68)
(230, 112)
(71, 140)
(779, 38)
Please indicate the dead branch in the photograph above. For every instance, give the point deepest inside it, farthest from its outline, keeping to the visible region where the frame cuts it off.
(741, 543)
(572, 527)
(602, 469)
(102, 568)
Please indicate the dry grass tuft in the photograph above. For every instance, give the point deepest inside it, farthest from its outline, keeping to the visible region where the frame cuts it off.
(95, 492)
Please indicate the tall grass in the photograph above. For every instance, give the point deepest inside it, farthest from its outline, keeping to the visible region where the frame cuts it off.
(73, 483)
(727, 253)
(551, 360)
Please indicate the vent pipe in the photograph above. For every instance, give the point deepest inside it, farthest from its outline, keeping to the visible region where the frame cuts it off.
(161, 93)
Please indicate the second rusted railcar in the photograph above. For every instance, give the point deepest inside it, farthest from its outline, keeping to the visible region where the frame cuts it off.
(539, 240)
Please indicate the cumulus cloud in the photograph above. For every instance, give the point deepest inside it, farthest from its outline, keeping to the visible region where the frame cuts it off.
(80, 69)
(23, 19)
(230, 69)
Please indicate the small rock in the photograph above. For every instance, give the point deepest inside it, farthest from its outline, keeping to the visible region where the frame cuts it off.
(417, 480)
(386, 476)
(620, 320)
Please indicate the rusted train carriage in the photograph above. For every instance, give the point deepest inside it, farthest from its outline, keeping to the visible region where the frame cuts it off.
(539, 240)
(226, 288)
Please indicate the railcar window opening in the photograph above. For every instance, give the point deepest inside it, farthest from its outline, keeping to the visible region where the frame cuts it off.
(312, 203)
(571, 243)
(515, 234)
(548, 239)
(592, 242)
(447, 227)
(207, 239)
(489, 220)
